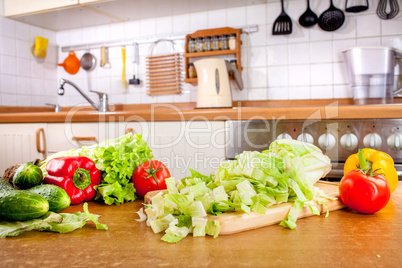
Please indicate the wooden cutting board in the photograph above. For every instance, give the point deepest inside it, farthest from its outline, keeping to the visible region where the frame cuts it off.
(235, 222)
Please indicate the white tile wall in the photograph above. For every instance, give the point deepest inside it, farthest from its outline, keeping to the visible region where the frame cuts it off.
(304, 65)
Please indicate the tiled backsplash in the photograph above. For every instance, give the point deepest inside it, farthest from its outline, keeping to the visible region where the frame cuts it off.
(306, 64)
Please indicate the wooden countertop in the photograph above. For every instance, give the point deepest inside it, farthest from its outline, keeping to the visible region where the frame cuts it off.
(309, 109)
(344, 239)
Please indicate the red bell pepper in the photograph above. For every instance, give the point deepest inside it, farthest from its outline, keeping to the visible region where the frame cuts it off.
(77, 175)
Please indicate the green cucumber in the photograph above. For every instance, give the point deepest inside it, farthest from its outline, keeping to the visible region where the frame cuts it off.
(56, 196)
(5, 185)
(22, 205)
(27, 176)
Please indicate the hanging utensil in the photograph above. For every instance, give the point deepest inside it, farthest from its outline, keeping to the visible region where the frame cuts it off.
(104, 62)
(71, 64)
(356, 8)
(331, 19)
(123, 76)
(135, 81)
(382, 9)
(283, 24)
(308, 18)
(164, 70)
(88, 61)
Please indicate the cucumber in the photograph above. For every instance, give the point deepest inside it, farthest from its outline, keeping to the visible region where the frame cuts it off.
(5, 185)
(57, 197)
(22, 205)
(27, 176)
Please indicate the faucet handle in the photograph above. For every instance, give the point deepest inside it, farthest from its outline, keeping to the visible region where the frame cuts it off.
(100, 94)
(103, 103)
(56, 107)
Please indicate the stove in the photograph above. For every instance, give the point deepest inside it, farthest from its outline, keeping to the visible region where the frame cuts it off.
(335, 137)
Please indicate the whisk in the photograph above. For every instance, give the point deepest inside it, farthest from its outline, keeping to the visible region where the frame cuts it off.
(382, 9)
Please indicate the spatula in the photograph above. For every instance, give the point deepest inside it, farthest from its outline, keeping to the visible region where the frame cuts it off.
(283, 24)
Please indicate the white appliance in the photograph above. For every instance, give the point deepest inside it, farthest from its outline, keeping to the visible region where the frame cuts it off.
(213, 83)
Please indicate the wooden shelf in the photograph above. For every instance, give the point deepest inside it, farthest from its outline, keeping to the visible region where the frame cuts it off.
(211, 32)
(210, 53)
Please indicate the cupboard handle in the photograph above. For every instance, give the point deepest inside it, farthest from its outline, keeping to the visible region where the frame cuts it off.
(84, 138)
(129, 130)
(38, 134)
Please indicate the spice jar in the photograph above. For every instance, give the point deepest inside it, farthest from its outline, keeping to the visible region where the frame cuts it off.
(191, 71)
(232, 41)
(199, 43)
(215, 42)
(224, 41)
(207, 43)
(191, 45)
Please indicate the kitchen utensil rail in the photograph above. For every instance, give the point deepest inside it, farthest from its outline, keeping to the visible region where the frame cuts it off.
(252, 28)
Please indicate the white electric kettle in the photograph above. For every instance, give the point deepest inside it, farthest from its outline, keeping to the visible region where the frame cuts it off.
(213, 83)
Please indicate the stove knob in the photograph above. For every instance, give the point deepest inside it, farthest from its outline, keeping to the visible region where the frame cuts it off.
(394, 142)
(327, 141)
(305, 137)
(372, 140)
(284, 136)
(349, 141)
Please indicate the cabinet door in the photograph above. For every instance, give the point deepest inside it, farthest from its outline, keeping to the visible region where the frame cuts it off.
(63, 137)
(23, 7)
(93, 1)
(20, 143)
(199, 145)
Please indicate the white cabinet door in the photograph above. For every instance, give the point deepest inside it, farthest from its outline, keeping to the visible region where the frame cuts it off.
(67, 136)
(24, 7)
(93, 1)
(199, 145)
(20, 143)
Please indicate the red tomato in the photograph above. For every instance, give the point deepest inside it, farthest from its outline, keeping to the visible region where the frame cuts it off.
(150, 176)
(364, 193)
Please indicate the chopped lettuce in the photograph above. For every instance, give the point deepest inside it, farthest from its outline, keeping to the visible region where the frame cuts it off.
(116, 159)
(286, 172)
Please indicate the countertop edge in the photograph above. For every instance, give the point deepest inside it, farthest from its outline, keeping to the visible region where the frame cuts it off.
(174, 113)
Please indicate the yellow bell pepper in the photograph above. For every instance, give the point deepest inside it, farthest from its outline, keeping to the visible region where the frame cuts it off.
(375, 161)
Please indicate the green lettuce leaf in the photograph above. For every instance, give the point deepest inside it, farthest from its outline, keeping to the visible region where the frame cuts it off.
(51, 222)
(94, 218)
(17, 227)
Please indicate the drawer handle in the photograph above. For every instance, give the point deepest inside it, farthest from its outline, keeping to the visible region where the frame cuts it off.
(38, 133)
(84, 138)
(129, 130)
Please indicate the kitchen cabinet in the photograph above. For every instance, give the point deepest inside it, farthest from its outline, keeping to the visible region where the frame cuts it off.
(21, 143)
(181, 145)
(26, 7)
(23, 7)
(189, 56)
(67, 136)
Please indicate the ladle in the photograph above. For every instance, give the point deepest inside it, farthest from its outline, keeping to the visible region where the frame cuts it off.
(308, 18)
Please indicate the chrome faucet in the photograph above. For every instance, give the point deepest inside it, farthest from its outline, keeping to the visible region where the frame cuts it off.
(103, 104)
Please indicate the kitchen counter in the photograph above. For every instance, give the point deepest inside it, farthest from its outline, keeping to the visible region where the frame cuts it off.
(344, 239)
(309, 109)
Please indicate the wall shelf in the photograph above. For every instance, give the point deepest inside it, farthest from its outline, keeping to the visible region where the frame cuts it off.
(211, 32)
